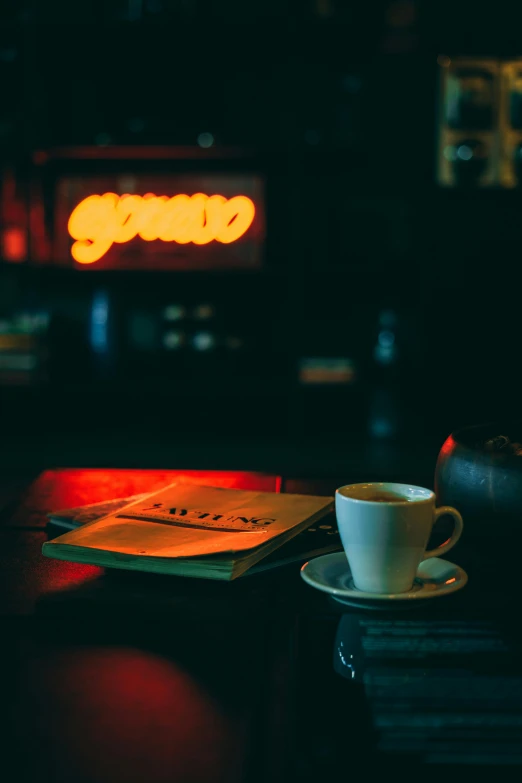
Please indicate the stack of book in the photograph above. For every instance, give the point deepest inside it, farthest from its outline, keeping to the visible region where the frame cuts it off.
(197, 531)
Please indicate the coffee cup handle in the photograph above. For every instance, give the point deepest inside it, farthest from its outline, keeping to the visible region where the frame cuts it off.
(452, 540)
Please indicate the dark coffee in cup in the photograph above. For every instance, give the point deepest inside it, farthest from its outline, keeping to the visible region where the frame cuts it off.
(380, 497)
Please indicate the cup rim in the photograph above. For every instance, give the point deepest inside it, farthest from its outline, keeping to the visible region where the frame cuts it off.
(390, 486)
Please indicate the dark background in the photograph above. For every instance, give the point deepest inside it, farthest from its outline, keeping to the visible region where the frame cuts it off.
(339, 102)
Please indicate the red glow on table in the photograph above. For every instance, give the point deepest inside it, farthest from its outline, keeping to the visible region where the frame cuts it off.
(126, 714)
(55, 490)
(68, 575)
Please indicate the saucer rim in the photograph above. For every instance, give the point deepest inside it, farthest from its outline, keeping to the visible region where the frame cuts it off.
(363, 597)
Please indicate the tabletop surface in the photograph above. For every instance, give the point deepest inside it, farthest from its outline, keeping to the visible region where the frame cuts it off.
(118, 676)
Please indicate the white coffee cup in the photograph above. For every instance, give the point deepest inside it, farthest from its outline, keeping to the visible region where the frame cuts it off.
(385, 540)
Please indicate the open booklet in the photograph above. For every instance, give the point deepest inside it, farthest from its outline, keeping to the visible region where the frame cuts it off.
(71, 518)
(190, 530)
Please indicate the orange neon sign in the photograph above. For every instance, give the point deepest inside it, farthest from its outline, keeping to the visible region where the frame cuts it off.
(99, 221)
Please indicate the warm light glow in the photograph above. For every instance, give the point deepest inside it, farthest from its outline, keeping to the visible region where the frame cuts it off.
(14, 245)
(99, 221)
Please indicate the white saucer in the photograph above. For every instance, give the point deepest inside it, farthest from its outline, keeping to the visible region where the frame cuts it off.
(331, 574)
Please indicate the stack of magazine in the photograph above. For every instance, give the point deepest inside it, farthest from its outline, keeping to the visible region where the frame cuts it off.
(197, 531)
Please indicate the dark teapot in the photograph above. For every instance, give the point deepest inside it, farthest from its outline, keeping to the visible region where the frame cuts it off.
(479, 471)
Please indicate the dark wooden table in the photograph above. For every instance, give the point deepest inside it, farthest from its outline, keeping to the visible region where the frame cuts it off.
(122, 677)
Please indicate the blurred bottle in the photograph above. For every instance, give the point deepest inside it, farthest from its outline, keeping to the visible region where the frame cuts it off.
(103, 337)
(384, 420)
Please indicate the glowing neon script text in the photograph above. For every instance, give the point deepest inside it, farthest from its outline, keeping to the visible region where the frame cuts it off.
(98, 221)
